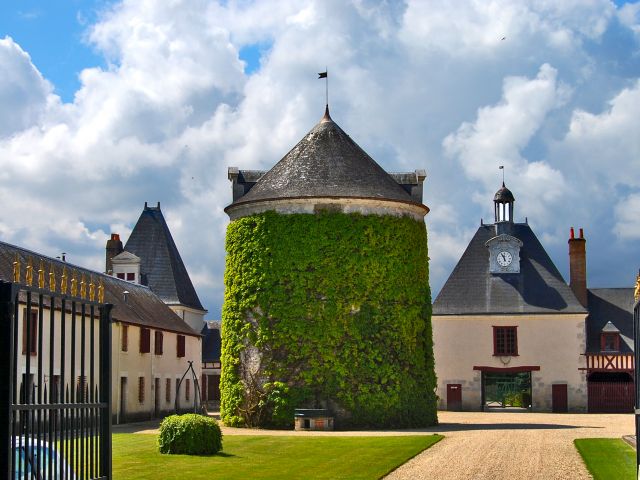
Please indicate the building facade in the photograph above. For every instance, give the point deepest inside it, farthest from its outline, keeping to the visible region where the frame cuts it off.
(510, 333)
(151, 345)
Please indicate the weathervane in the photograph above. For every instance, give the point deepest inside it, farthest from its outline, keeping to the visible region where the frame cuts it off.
(501, 167)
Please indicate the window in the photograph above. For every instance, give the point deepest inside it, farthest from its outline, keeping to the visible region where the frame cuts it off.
(505, 341)
(145, 340)
(158, 342)
(187, 389)
(610, 342)
(180, 345)
(125, 338)
(141, 389)
(30, 323)
(167, 391)
(131, 276)
(120, 276)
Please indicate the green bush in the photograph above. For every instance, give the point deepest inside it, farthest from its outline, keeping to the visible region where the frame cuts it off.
(190, 434)
(336, 309)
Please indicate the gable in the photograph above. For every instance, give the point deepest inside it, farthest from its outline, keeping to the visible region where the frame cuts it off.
(538, 288)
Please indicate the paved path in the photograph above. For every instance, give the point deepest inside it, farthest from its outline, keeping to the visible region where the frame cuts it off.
(479, 446)
(505, 446)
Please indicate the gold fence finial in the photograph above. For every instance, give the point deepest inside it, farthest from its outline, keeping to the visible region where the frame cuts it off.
(52, 278)
(636, 293)
(74, 285)
(16, 269)
(41, 275)
(83, 287)
(92, 289)
(63, 281)
(101, 292)
(29, 274)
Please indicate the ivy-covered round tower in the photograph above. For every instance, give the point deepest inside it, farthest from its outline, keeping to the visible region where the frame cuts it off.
(327, 301)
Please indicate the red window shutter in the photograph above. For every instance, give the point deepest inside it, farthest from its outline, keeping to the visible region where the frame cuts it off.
(158, 342)
(145, 340)
(187, 389)
(180, 347)
(120, 276)
(131, 276)
(167, 391)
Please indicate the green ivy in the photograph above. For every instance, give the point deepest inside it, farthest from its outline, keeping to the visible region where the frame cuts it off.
(339, 307)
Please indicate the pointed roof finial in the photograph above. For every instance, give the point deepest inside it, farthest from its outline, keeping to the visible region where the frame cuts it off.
(326, 117)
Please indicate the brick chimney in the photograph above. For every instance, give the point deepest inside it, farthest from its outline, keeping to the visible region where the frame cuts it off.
(578, 266)
(114, 247)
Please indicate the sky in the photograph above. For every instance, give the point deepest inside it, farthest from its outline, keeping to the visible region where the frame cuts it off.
(110, 104)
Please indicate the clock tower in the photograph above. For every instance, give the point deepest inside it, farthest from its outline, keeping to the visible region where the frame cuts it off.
(504, 248)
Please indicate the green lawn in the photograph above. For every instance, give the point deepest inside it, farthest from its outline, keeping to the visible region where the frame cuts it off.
(608, 458)
(135, 456)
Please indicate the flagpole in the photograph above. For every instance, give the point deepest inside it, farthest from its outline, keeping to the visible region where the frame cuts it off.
(327, 85)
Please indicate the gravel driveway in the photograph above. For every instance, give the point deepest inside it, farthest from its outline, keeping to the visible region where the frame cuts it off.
(500, 446)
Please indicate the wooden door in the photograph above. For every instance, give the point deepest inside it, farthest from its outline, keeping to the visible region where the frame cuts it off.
(454, 396)
(123, 399)
(559, 403)
(156, 403)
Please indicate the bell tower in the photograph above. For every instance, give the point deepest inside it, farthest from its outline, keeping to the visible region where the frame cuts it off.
(503, 202)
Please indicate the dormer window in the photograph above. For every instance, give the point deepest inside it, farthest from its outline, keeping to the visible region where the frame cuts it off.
(610, 342)
(126, 266)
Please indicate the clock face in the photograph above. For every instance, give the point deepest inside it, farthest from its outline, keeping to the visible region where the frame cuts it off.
(504, 259)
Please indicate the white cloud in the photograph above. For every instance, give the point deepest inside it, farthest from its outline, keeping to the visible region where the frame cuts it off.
(24, 93)
(627, 213)
(501, 132)
(174, 108)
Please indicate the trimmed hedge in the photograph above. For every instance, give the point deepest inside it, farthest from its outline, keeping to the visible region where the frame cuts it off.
(332, 309)
(189, 434)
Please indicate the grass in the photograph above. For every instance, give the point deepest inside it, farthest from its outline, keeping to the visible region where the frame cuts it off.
(135, 456)
(608, 458)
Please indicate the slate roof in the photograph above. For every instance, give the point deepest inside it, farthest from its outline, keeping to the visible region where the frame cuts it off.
(613, 305)
(143, 307)
(161, 267)
(325, 163)
(211, 343)
(538, 288)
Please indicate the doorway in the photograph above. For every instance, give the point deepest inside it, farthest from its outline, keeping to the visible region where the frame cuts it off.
(123, 400)
(454, 397)
(559, 402)
(506, 390)
(156, 402)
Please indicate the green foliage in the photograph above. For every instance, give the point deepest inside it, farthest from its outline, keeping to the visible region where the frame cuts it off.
(607, 458)
(189, 434)
(339, 307)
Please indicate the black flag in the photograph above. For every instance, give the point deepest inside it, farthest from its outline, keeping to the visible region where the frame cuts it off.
(322, 75)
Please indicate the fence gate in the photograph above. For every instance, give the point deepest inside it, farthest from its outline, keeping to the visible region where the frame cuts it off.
(55, 378)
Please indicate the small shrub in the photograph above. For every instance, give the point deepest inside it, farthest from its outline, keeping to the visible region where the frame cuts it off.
(189, 434)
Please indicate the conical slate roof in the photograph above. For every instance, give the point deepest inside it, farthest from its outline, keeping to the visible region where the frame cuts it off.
(161, 267)
(326, 163)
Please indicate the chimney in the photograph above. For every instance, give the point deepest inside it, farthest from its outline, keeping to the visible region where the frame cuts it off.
(114, 247)
(578, 266)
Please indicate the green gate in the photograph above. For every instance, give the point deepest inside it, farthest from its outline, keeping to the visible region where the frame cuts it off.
(506, 389)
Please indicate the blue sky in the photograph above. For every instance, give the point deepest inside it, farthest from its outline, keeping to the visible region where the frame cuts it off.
(122, 102)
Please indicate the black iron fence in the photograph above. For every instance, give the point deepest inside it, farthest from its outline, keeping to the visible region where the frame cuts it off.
(55, 379)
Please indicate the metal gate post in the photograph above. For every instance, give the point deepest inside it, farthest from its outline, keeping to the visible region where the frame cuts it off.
(105, 390)
(636, 351)
(8, 293)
